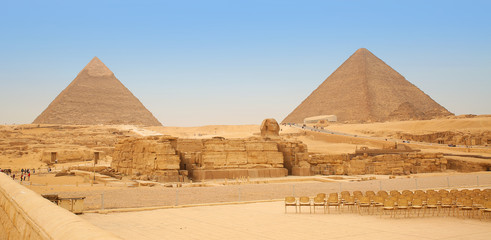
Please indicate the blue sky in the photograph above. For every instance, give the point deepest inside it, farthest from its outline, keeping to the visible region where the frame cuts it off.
(237, 62)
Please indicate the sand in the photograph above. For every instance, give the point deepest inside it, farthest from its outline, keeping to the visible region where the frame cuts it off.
(473, 125)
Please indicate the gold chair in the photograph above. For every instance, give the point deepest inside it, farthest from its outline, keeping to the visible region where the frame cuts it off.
(486, 210)
(467, 206)
(403, 205)
(364, 202)
(407, 192)
(349, 202)
(447, 203)
(303, 202)
(378, 202)
(291, 202)
(395, 193)
(319, 201)
(417, 204)
(431, 204)
(370, 194)
(333, 200)
(382, 193)
(389, 205)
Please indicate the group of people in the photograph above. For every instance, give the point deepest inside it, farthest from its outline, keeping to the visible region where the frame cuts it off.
(25, 173)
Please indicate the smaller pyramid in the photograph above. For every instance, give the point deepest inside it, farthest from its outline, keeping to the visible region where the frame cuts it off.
(95, 97)
(364, 88)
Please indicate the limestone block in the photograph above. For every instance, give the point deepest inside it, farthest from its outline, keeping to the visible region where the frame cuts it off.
(234, 145)
(339, 170)
(301, 171)
(274, 157)
(270, 146)
(254, 146)
(253, 173)
(165, 148)
(237, 158)
(238, 173)
(167, 162)
(215, 158)
(255, 157)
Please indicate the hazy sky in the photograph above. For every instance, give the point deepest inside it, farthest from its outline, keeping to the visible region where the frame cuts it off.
(237, 62)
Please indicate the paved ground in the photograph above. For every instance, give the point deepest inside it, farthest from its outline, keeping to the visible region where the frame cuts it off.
(137, 197)
(268, 221)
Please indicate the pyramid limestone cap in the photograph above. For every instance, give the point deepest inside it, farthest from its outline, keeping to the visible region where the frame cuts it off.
(96, 68)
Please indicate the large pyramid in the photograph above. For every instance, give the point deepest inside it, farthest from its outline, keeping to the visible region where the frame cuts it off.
(364, 88)
(94, 97)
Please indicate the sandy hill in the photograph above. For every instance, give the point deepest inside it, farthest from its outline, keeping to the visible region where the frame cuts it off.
(364, 88)
(476, 124)
(96, 96)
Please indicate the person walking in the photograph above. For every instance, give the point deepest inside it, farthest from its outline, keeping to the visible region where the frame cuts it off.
(28, 176)
(13, 176)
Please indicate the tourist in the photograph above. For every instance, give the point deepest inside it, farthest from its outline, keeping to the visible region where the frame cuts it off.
(21, 176)
(13, 176)
(28, 176)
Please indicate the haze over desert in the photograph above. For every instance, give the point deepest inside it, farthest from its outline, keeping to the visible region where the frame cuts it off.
(245, 120)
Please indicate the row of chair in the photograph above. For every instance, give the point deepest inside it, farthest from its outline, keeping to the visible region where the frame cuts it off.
(464, 202)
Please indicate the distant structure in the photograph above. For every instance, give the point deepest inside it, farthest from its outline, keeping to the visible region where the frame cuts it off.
(94, 97)
(364, 88)
(321, 118)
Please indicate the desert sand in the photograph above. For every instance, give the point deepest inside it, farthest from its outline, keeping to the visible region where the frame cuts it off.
(123, 200)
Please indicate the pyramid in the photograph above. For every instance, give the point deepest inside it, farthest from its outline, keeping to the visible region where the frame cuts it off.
(94, 97)
(364, 88)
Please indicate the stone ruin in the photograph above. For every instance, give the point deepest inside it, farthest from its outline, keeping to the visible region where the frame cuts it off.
(169, 159)
(453, 138)
(384, 164)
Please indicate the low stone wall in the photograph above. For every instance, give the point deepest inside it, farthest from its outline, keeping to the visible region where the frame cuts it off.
(26, 215)
(458, 138)
(386, 164)
(467, 166)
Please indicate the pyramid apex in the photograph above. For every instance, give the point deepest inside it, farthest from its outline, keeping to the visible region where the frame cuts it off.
(362, 50)
(97, 68)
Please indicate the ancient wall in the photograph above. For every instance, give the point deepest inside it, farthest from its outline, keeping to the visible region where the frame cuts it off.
(69, 155)
(152, 158)
(200, 159)
(26, 215)
(234, 158)
(296, 157)
(457, 138)
(386, 164)
(467, 166)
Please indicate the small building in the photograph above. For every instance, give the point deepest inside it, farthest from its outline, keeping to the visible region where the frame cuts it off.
(317, 119)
